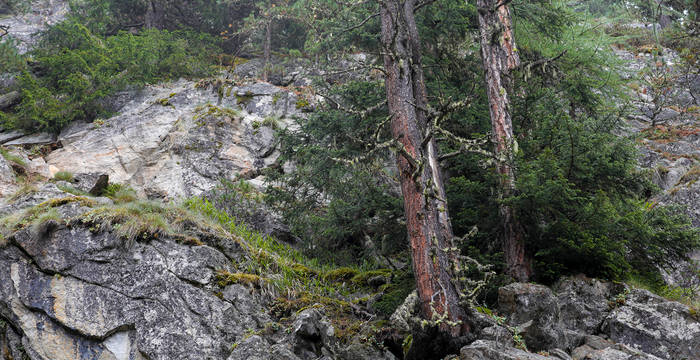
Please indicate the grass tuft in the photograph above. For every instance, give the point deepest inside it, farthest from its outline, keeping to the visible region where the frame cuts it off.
(687, 296)
(63, 176)
(39, 214)
(120, 194)
(12, 157)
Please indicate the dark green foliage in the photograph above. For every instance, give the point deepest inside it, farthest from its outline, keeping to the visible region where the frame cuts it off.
(73, 69)
(395, 294)
(10, 60)
(108, 17)
(580, 195)
(335, 26)
(601, 232)
(242, 202)
(335, 207)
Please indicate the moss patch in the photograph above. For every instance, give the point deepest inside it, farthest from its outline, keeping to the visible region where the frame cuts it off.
(340, 274)
(245, 98)
(224, 279)
(215, 111)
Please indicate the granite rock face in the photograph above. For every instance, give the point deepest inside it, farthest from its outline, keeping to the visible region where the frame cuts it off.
(23, 27)
(179, 140)
(584, 302)
(8, 183)
(77, 294)
(534, 311)
(590, 319)
(652, 324)
(491, 350)
(597, 348)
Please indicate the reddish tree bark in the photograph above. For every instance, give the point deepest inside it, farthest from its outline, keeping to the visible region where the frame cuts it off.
(500, 56)
(427, 220)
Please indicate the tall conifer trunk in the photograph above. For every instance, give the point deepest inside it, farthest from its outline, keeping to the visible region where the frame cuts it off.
(427, 220)
(500, 56)
(267, 49)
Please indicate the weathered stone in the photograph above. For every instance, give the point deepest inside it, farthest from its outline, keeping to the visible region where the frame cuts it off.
(182, 149)
(8, 184)
(8, 80)
(9, 99)
(91, 183)
(254, 348)
(363, 352)
(10, 343)
(597, 348)
(38, 166)
(688, 195)
(559, 354)
(41, 14)
(156, 290)
(311, 332)
(10, 135)
(491, 350)
(45, 340)
(32, 197)
(583, 302)
(35, 139)
(499, 334)
(534, 310)
(656, 326)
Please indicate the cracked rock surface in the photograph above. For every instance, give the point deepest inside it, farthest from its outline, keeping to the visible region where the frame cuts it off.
(78, 294)
(178, 140)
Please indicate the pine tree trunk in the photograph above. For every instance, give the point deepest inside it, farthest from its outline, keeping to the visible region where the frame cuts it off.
(151, 18)
(267, 46)
(427, 220)
(499, 56)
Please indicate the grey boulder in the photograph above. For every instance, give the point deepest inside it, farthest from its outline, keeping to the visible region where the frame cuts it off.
(647, 322)
(491, 350)
(534, 311)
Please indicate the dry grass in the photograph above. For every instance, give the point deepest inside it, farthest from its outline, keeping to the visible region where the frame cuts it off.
(666, 134)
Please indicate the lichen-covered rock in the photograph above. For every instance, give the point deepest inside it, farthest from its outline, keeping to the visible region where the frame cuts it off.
(583, 302)
(257, 348)
(597, 348)
(404, 315)
(534, 310)
(311, 334)
(364, 352)
(31, 197)
(9, 99)
(8, 183)
(180, 139)
(71, 290)
(491, 350)
(656, 326)
(41, 14)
